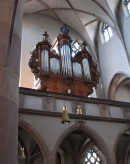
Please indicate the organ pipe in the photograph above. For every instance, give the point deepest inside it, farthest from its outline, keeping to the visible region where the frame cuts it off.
(77, 70)
(64, 44)
(45, 62)
(86, 70)
(54, 66)
(66, 61)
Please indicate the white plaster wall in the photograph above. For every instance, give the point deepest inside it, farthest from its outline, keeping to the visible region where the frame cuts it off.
(113, 59)
(51, 129)
(116, 112)
(113, 4)
(92, 110)
(123, 94)
(108, 131)
(31, 102)
(124, 20)
(33, 28)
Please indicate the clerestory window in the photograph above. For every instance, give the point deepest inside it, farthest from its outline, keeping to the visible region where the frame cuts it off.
(75, 48)
(54, 46)
(127, 3)
(107, 32)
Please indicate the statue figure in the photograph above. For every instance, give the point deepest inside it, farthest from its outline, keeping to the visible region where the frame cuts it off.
(79, 110)
(64, 29)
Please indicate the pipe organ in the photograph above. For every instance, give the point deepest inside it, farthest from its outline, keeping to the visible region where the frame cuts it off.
(62, 73)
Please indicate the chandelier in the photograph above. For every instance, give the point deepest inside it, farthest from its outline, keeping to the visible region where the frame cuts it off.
(60, 72)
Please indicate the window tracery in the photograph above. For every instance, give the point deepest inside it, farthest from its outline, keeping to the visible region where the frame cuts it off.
(75, 48)
(127, 3)
(92, 157)
(107, 32)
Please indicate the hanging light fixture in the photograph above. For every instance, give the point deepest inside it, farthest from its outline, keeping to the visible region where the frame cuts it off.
(65, 116)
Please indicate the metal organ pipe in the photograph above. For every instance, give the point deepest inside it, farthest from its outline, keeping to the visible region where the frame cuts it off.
(66, 61)
(77, 70)
(54, 66)
(86, 70)
(45, 62)
(69, 61)
(63, 61)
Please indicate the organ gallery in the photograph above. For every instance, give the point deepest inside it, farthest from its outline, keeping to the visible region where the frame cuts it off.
(60, 72)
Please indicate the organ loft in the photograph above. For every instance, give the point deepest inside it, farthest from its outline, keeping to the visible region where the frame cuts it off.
(61, 72)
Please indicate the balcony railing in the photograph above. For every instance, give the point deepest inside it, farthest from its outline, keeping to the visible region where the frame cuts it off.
(46, 103)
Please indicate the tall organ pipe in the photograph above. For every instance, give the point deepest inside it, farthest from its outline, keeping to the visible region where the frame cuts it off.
(64, 41)
(66, 61)
(86, 70)
(45, 62)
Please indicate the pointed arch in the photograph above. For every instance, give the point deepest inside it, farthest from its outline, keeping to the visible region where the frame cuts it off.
(117, 80)
(37, 137)
(121, 146)
(92, 134)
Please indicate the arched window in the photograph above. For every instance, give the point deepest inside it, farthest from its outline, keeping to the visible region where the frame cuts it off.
(75, 48)
(55, 45)
(127, 3)
(92, 157)
(107, 32)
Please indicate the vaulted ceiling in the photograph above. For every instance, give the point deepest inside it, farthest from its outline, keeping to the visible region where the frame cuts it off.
(83, 16)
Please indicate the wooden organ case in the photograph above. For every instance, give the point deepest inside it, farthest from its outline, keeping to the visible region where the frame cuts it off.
(62, 73)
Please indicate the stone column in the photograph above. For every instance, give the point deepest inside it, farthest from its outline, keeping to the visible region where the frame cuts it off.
(51, 159)
(11, 12)
(113, 159)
